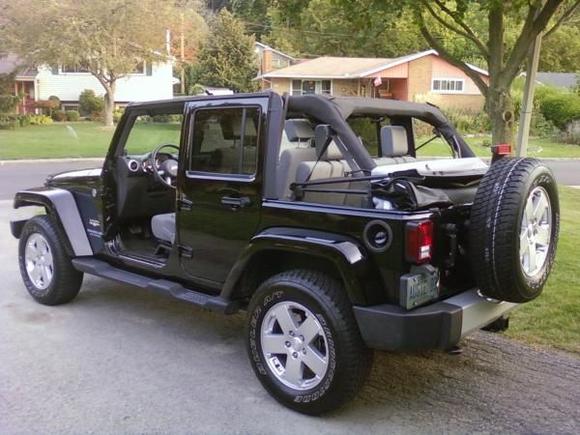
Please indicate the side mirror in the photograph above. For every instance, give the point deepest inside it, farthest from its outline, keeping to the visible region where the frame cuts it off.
(322, 136)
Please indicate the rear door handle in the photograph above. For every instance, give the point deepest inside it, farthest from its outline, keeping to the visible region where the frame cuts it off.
(236, 202)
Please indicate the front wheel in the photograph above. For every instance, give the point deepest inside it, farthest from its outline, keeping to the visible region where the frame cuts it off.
(304, 343)
(45, 267)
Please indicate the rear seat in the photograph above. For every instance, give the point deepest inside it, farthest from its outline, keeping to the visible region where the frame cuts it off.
(394, 146)
(296, 147)
(329, 165)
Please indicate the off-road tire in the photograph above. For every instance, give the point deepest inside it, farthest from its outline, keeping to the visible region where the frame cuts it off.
(495, 224)
(349, 359)
(66, 280)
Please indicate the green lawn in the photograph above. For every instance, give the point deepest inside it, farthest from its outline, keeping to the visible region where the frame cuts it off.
(554, 318)
(89, 139)
(80, 139)
(536, 148)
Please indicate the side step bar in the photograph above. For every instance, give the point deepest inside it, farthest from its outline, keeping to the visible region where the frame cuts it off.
(103, 269)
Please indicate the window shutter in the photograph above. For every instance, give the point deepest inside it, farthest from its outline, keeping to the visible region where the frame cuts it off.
(148, 68)
(55, 69)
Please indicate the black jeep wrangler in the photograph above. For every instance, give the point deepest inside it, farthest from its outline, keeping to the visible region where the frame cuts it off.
(311, 213)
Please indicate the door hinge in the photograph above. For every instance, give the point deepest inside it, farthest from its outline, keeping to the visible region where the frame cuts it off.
(185, 251)
(184, 204)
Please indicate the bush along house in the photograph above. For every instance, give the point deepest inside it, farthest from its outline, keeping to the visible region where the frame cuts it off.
(420, 77)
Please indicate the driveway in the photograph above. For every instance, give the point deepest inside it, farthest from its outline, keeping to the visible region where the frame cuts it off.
(15, 175)
(121, 359)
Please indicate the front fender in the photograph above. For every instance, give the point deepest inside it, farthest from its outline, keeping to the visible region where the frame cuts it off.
(346, 255)
(61, 204)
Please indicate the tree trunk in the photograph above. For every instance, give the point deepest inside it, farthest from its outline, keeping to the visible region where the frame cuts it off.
(500, 108)
(109, 104)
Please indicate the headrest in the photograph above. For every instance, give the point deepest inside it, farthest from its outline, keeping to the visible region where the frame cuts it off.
(298, 130)
(394, 141)
(332, 152)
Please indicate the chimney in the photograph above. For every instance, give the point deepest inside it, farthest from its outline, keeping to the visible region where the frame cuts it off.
(266, 60)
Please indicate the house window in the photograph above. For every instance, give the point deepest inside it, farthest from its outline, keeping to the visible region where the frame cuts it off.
(74, 69)
(225, 140)
(305, 87)
(139, 68)
(450, 86)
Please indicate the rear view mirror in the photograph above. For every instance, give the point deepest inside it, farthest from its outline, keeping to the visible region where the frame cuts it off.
(322, 136)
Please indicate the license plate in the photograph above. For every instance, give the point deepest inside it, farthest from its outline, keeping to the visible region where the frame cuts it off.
(419, 286)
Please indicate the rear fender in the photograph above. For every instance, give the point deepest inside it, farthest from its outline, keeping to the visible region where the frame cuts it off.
(347, 257)
(60, 204)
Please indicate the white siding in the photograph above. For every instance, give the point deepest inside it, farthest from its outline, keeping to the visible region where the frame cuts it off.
(134, 87)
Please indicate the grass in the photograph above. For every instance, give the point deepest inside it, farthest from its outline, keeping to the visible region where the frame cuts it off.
(554, 318)
(89, 139)
(536, 148)
(79, 139)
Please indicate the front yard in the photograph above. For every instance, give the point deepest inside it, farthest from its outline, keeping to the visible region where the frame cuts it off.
(554, 318)
(90, 139)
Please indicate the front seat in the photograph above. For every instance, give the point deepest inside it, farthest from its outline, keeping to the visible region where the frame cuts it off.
(163, 227)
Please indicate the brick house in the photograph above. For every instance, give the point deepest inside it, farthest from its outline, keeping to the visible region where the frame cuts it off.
(422, 77)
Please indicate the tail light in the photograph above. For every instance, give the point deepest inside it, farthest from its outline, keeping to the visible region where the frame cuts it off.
(419, 241)
(499, 151)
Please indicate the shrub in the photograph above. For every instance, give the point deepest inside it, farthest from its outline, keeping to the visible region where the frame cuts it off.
(90, 103)
(55, 102)
(557, 105)
(58, 116)
(469, 121)
(561, 108)
(9, 121)
(117, 115)
(72, 115)
(97, 116)
(40, 120)
(166, 118)
(8, 103)
(572, 133)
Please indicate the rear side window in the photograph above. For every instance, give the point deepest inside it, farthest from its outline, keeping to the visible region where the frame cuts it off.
(225, 140)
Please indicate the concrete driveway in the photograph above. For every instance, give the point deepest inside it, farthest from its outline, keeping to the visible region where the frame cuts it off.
(120, 359)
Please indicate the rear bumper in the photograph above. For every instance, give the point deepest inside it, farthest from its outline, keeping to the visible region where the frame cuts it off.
(437, 326)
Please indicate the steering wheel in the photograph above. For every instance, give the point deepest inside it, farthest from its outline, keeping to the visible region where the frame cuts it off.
(164, 171)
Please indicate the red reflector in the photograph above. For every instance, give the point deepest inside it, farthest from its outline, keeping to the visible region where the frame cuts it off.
(503, 149)
(419, 237)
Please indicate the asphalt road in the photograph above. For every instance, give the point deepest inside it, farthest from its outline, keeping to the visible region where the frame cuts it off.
(15, 176)
(121, 359)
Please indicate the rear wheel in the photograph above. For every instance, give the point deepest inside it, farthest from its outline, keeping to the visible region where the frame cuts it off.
(45, 267)
(304, 343)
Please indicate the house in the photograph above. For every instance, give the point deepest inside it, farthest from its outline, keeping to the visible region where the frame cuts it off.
(422, 77)
(561, 80)
(271, 59)
(149, 81)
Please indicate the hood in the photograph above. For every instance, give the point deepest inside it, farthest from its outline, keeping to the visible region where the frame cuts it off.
(74, 175)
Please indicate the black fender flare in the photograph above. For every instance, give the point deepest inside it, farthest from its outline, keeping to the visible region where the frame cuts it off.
(346, 255)
(61, 204)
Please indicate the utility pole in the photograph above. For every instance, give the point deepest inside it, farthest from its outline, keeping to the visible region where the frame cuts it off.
(528, 98)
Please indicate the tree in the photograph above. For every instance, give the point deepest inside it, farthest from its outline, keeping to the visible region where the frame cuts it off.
(342, 28)
(503, 48)
(561, 50)
(109, 38)
(227, 57)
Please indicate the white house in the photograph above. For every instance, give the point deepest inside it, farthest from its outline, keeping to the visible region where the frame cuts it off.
(150, 81)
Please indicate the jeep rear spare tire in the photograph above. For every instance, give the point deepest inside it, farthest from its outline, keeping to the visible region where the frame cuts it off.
(514, 228)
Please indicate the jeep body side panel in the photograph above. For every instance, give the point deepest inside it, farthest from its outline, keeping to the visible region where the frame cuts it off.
(381, 283)
(346, 255)
(62, 204)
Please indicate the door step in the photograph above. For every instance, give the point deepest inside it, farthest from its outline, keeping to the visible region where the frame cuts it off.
(103, 269)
